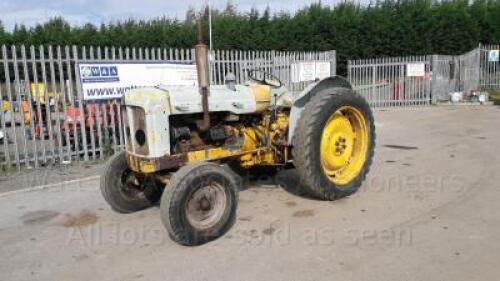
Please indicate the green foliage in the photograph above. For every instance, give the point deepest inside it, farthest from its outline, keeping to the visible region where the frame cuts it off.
(5, 168)
(2, 31)
(385, 28)
(495, 97)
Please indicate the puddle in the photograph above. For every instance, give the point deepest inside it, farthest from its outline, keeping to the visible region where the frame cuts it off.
(403, 147)
(38, 217)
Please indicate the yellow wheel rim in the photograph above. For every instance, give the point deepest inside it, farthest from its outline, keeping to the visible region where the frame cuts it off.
(344, 145)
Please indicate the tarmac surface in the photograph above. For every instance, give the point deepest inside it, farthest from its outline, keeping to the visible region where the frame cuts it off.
(427, 211)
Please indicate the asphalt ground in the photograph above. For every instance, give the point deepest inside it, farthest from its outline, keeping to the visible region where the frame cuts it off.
(427, 211)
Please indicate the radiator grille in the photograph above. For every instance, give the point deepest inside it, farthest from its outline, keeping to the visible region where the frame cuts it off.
(134, 120)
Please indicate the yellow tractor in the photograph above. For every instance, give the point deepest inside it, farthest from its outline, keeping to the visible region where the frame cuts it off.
(185, 144)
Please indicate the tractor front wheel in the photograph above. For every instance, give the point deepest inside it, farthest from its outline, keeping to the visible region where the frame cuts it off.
(125, 192)
(199, 203)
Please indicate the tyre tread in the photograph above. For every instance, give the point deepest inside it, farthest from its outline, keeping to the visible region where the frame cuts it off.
(174, 194)
(304, 153)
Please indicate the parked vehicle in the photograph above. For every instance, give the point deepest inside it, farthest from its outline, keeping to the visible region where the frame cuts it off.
(105, 113)
(179, 139)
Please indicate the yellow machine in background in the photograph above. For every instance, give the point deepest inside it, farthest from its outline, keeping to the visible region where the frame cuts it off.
(5, 106)
(39, 93)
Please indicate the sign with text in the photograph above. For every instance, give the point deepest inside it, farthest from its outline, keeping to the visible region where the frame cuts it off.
(111, 80)
(415, 70)
(493, 55)
(310, 71)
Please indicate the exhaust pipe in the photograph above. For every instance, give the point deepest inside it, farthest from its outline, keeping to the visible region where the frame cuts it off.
(201, 54)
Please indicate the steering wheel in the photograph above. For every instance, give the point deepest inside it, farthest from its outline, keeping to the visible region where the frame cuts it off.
(266, 78)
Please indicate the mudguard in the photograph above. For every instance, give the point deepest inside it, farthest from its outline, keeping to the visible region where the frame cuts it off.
(306, 95)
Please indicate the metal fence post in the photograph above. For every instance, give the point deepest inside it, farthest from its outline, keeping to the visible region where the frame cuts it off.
(19, 88)
(80, 105)
(30, 104)
(9, 94)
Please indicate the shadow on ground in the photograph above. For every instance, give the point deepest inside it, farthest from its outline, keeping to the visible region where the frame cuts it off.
(287, 179)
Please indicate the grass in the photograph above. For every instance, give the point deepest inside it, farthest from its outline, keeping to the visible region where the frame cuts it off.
(5, 168)
(495, 97)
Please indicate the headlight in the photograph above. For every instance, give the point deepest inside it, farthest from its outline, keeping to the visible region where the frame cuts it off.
(140, 137)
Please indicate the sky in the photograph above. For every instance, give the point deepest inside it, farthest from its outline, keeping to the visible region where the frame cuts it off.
(79, 12)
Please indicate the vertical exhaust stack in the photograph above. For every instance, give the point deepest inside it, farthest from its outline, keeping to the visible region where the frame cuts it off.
(201, 53)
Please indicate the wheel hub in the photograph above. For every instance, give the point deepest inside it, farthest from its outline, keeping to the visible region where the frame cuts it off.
(339, 138)
(131, 185)
(206, 205)
(340, 145)
(344, 143)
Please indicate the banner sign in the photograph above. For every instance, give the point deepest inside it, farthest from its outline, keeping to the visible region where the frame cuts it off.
(415, 70)
(100, 80)
(493, 55)
(310, 71)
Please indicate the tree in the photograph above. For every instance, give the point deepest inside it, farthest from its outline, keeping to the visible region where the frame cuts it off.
(4, 36)
(190, 15)
(21, 35)
(55, 32)
(454, 31)
(230, 9)
(382, 28)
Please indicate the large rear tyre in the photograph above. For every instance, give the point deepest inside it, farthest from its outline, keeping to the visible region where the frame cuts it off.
(334, 145)
(199, 203)
(123, 191)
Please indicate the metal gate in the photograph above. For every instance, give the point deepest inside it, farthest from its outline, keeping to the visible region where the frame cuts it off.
(390, 81)
(455, 74)
(44, 120)
(469, 65)
(490, 67)
(444, 74)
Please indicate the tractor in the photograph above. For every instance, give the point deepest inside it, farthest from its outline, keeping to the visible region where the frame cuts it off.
(185, 146)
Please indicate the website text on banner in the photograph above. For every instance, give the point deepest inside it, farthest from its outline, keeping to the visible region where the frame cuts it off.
(111, 80)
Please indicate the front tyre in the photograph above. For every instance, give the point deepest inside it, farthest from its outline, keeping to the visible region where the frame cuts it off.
(123, 191)
(199, 203)
(335, 142)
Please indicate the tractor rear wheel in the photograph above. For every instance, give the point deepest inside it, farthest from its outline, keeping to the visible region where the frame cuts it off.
(199, 203)
(123, 191)
(334, 145)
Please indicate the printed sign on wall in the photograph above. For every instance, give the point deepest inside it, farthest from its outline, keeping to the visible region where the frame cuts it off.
(310, 71)
(493, 55)
(111, 80)
(415, 69)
